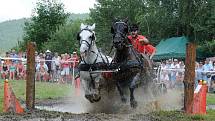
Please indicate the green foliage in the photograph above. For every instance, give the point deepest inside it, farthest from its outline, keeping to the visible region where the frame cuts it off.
(106, 11)
(158, 19)
(191, 18)
(49, 15)
(65, 39)
(207, 48)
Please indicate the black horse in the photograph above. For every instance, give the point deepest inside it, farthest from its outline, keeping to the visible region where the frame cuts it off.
(133, 69)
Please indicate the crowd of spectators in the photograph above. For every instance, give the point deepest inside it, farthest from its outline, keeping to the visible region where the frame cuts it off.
(48, 66)
(172, 72)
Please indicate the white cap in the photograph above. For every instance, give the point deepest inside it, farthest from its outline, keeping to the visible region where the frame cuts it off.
(48, 51)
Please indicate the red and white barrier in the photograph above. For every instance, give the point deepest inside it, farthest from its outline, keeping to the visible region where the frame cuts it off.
(199, 101)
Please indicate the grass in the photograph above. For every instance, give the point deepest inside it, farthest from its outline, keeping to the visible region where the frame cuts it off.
(211, 99)
(43, 90)
(180, 116)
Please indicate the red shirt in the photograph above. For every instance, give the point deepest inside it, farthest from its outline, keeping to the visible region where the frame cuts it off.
(146, 49)
(65, 63)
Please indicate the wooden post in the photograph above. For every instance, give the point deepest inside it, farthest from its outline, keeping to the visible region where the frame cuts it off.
(189, 78)
(30, 83)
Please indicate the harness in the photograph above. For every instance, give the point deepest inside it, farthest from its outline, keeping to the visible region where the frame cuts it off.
(94, 66)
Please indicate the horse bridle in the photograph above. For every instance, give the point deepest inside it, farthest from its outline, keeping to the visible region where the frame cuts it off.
(88, 44)
(85, 41)
(122, 34)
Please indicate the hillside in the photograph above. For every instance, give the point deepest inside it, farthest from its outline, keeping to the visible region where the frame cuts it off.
(12, 31)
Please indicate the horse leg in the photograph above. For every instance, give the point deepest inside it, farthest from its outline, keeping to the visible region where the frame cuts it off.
(87, 89)
(132, 86)
(119, 87)
(133, 102)
(96, 95)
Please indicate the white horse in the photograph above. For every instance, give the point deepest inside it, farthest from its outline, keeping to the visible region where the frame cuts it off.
(90, 56)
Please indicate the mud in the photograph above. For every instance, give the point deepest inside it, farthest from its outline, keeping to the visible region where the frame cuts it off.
(59, 116)
(76, 108)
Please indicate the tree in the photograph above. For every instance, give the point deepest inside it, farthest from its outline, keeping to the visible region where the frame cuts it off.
(167, 18)
(194, 27)
(48, 16)
(106, 11)
(64, 40)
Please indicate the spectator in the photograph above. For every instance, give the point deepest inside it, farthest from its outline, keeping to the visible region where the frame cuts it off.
(75, 59)
(12, 69)
(41, 56)
(168, 66)
(42, 71)
(15, 56)
(20, 70)
(199, 71)
(164, 74)
(5, 71)
(174, 66)
(7, 61)
(180, 75)
(56, 67)
(48, 59)
(214, 65)
(37, 58)
(206, 68)
(65, 68)
(213, 78)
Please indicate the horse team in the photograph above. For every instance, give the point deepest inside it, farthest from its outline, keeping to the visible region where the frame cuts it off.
(132, 67)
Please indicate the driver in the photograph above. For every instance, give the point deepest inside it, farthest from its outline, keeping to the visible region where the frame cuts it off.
(141, 43)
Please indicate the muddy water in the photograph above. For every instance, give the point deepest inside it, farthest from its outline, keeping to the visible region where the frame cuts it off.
(74, 105)
(172, 100)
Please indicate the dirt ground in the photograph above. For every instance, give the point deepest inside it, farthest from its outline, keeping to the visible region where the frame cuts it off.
(110, 108)
(58, 116)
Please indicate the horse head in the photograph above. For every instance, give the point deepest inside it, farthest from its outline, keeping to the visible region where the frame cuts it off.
(119, 31)
(86, 38)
